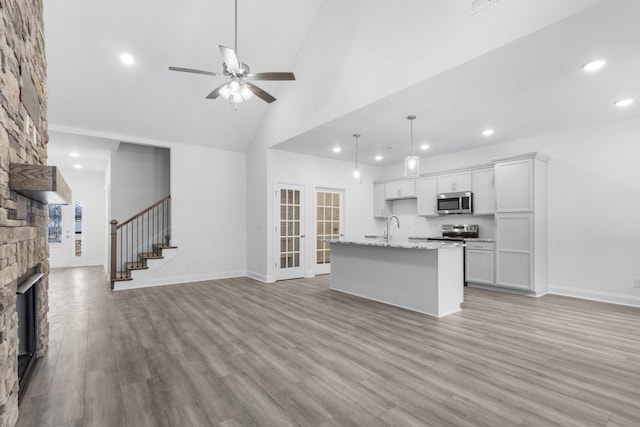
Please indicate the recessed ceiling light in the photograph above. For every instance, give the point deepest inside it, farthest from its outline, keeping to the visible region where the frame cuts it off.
(74, 154)
(624, 103)
(77, 166)
(126, 58)
(594, 65)
(424, 147)
(378, 157)
(337, 149)
(487, 132)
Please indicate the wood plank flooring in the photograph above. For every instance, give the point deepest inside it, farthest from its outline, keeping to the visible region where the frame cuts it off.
(238, 352)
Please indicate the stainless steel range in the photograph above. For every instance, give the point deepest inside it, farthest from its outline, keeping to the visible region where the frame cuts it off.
(457, 232)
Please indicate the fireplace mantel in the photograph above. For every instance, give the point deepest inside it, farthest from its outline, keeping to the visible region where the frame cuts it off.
(39, 182)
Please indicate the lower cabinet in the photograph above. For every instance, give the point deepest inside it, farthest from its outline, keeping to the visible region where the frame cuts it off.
(514, 250)
(479, 263)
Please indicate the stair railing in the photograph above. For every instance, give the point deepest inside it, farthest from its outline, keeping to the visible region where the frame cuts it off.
(142, 234)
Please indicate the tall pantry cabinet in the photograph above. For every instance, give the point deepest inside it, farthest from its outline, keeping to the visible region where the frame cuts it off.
(521, 222)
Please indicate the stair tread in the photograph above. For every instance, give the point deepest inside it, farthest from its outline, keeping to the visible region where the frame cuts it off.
(135, 266)
(121, 279)
(150, 255)
(163, 246)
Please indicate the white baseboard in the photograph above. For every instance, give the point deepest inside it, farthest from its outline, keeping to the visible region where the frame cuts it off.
(506, 290)
(260, 277)
(176, 280)
(597, 296)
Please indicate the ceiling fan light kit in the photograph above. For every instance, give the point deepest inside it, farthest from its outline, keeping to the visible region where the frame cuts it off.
(237, 88)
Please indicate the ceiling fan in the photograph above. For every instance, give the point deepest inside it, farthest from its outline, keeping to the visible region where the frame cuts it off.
(237, 88)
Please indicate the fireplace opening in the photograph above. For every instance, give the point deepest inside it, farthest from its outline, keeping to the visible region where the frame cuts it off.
(27, 307)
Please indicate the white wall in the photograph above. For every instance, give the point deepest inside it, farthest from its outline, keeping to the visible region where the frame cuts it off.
(258, 190)
(208, 206)
(139, 178)
(351, 57)
(89, 187)
(593, 188)
(314, 172)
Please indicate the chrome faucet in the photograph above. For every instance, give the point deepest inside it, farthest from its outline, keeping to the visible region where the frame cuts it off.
(389, 222)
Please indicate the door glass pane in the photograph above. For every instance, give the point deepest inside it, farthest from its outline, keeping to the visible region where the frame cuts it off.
(78, 229)
(55, 224)
(290, 229)
(327, 223)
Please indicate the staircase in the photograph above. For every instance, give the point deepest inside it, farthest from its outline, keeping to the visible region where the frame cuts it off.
(140, 243)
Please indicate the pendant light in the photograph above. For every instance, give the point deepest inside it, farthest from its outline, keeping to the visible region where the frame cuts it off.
(357, 177)
(411, 162)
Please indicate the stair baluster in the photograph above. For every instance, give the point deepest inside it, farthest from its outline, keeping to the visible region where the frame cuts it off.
(141, 237)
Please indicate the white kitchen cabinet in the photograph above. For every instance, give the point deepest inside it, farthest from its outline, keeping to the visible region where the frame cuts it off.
(514, 234)
(427, 193)
(514, 186)
(381, 207)
(454, 182)
(479, 263)
(521, 223)
(484, 191)
(402, 189)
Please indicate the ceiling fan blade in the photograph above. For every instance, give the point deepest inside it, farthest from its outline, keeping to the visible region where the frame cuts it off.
(191, 70)
(216, 91)
(230, 58)
(260, 93)
(271, 76)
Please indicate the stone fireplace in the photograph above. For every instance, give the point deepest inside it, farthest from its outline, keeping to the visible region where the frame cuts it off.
(23, 221)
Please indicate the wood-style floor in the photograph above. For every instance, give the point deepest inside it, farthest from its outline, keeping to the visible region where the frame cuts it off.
(238, 352)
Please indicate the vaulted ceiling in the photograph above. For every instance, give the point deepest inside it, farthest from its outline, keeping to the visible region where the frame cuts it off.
(530, 86)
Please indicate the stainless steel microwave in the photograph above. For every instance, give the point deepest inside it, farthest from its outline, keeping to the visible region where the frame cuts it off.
(455, 203)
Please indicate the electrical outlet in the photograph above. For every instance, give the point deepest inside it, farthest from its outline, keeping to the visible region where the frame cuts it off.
(636, 282)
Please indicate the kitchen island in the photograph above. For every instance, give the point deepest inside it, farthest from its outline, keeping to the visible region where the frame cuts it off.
(426, 277)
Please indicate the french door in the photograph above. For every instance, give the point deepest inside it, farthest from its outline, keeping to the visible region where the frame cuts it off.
(60, 236)
(66, 235)
(289, 231)
(329, 225)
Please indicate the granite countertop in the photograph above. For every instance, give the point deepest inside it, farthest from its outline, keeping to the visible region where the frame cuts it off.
(432, 245)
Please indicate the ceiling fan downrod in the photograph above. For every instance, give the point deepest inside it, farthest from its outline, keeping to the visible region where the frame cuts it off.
(235, 44)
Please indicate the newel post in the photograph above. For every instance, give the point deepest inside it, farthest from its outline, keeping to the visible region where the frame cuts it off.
(114, 246)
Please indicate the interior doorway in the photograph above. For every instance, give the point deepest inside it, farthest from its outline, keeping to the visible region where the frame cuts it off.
(329, 220)
(67, 235)
(289, 231)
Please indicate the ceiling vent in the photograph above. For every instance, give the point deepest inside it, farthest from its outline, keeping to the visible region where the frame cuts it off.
(478, 5)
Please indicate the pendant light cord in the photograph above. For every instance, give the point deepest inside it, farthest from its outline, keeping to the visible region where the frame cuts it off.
(357, 135)
(411, 118)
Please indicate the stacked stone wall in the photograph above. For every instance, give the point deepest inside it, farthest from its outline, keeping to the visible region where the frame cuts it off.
(23, 222)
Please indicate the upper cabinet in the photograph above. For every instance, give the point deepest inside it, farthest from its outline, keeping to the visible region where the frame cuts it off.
(514, 185)
(454, 182)
(402, 189)
(381, 208)
(484, 191)
(426, 192)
